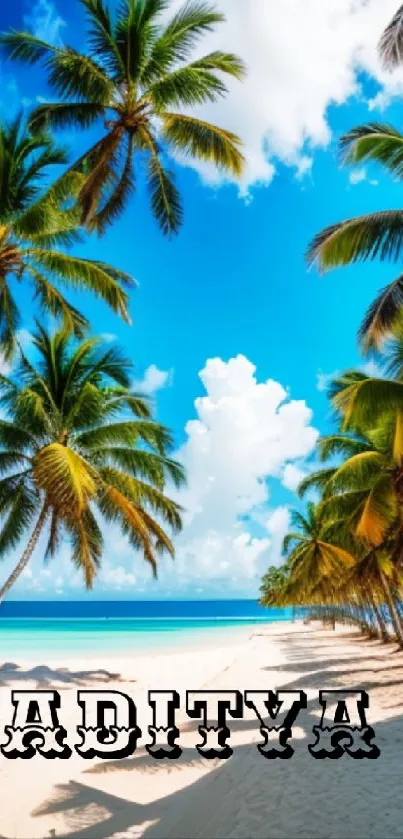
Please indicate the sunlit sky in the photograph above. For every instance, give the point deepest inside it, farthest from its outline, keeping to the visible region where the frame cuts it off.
(231, 335)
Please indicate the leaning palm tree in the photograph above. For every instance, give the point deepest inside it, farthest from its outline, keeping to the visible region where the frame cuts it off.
(362, 496)
(36, 226)
(313, 558)
(78, 447)
(137, 84)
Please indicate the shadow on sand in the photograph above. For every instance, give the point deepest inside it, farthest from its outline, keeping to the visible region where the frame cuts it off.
(248, 796)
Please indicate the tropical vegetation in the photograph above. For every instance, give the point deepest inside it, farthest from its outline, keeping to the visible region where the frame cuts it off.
(136, 86)
(344, 556)
(37, 224)
(79, 449)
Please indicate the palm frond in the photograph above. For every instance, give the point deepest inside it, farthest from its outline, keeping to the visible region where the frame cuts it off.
(165, 200)
(127, 433)
(185, 87)
(341, 444)
(101, 36)
(82, 273)
(52, 301)
(87, 545)
(25, 47)
(375, 142)
(65, 114)
(202, 140)
(379, 511)
(317, 481)
(116, 507)
(362, 403)
(178, 39)
(383, 316)
(21, 510)
(391, 43)
(366, 237)
(115, 204)
(65, 477)
(359, 472)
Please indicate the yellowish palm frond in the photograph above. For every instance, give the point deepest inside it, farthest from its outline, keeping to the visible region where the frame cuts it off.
(378, 513)
(67, 479)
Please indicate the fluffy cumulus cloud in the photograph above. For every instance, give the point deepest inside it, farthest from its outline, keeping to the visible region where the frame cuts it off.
(247, 434)
(247, 437)
(302, 57)
(153, 380)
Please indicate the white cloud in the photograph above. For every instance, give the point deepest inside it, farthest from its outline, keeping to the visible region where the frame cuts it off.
(292, 477)
(302, 57)
(372, 369)
(245, 434)
(153, 380)
(358, 176)
(117, 578)
(278, 525)
(45, 22)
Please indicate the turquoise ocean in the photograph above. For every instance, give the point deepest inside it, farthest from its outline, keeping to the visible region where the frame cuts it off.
(122, 628)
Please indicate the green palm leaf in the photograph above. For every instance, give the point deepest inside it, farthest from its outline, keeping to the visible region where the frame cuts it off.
(205, 141)
(374, 141)
(317, 481)
(367, 237)
(383, 316)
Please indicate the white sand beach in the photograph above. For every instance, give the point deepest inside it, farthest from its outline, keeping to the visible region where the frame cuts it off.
(246, 796)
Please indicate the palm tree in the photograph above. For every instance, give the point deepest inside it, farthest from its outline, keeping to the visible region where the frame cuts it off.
(79, 447)
(313, 560)
(33, 223)
(137, 84)
(362, 499)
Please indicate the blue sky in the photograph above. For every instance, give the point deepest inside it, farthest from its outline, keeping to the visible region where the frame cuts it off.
(234, 285)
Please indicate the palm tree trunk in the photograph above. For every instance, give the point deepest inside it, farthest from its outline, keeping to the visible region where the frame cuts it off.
(383, 632)
(26, 555)
(394, 615)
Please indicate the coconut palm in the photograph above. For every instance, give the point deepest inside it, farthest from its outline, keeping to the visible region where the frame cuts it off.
(136, 83)
(78, 448)
(362, 499)
(34, 223)
(312, 558)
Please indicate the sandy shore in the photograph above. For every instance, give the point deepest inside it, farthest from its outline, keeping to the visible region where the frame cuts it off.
(243, 797)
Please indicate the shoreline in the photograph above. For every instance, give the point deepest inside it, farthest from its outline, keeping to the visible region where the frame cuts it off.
(243, 797)
(145, 644)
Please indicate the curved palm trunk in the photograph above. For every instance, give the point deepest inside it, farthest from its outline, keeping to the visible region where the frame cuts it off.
(26, 555)
(382, 631)
(394, 615)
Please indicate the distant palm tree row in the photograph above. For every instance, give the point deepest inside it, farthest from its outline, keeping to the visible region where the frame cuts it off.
(344, 557)
(77, 447)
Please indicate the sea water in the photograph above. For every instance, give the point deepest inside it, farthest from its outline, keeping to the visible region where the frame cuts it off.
(124, 627)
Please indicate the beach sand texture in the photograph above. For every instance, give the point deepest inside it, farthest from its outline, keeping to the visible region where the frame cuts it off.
(246, 797)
